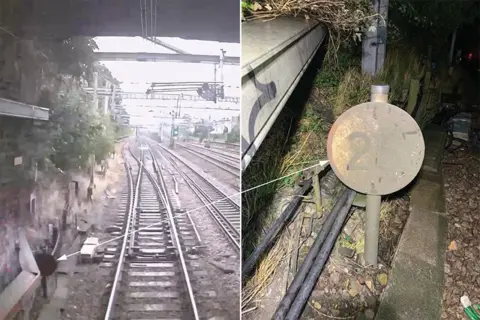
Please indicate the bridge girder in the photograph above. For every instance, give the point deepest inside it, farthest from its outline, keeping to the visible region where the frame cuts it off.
(171, 57)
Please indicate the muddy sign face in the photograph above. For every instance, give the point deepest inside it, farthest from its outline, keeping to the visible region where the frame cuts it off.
(376, 148)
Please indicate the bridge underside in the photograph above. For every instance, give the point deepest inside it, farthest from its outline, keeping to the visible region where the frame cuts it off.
(211, 20)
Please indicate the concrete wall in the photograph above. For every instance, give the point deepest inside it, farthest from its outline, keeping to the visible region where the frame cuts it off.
(33, 209)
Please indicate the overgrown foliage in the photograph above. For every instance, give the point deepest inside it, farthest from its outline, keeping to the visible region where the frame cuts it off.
(75, 130)
(72, 56)
(344, 18)
(411, 22)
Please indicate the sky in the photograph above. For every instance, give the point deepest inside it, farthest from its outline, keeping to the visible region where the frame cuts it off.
(135, 76)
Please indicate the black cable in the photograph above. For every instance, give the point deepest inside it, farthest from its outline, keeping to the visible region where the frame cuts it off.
(299, 278)
(317, 268)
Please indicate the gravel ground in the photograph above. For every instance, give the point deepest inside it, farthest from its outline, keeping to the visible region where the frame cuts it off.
(88, 284)
(210, 168)
(462, 270)
(218, 258)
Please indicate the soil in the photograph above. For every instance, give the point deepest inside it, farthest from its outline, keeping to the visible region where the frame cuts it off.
(462, 270)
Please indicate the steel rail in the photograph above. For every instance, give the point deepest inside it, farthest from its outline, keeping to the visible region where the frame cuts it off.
(218, 216)
(133, 196)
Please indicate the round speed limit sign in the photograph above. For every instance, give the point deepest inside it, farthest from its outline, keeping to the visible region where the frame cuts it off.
(375, 148)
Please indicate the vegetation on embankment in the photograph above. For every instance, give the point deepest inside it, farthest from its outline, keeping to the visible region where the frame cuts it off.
(75, 129)
(298, 138)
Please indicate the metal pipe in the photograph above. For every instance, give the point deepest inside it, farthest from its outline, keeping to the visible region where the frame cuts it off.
(299, 278)
(312, 277)
(373, 202)
(172, 139)
(194, 228)
(379, 93)
(372, 225)
(276, 227)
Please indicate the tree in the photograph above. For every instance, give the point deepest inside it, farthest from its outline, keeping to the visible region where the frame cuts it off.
(414, 21)
(73, 56)
(75, 129)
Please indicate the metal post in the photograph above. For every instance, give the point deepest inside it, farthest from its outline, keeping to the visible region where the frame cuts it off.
(372, 226)
(316, 190)
(172, 141)
(375, 40)
(379, 93)
(215, 86)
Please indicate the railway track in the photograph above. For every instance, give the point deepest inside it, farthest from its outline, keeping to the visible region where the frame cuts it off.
(221, 207)
(221, 152)
(152, 265)
(229, 165)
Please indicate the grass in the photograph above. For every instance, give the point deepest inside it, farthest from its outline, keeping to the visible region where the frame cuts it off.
(265, 166)
(298, 138)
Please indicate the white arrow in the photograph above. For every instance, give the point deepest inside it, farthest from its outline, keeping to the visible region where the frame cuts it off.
(323, 164)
